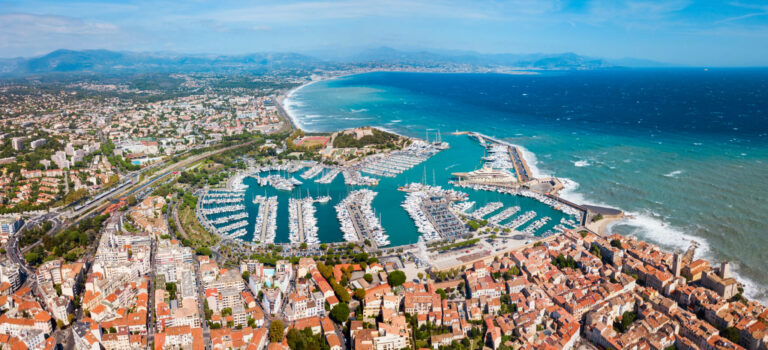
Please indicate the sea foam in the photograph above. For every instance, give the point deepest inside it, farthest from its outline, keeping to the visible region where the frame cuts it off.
(674, 173)
(581, 163)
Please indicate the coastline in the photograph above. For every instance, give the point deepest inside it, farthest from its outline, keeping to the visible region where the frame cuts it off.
(602, 227)
(285, 99)
(648, 227)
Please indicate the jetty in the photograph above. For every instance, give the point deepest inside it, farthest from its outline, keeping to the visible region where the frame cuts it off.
(266, 220)
(329, 176)
(430, 209)
(302, 222)
(224, 209)
(358, 220)
(354, 178)
(394, 163)
(520, 220)
(486, 209)
(312, 172)
(504, 214)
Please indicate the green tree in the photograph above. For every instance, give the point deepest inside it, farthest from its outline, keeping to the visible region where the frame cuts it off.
(396, 278)
(626, 320)
(276, 330)
(204, 251)
(340, 313)
(341, 292)
(360, 294)
(246, 276)
(443, 294)
(32, 258)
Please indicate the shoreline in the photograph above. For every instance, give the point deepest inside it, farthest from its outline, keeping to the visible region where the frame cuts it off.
(652, 229)
(285, 97)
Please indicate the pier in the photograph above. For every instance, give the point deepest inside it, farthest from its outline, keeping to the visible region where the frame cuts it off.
(486, 209)
(358, 221)
(392, 164)
(302, 222)
(521, 167)
(266, 220)
(429, 207)
(520, 220)
(328, 177)
(354, 178)
(224, 209)
(504, 214)
(312, 172)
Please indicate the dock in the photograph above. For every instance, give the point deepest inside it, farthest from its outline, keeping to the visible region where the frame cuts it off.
(521, 167)
(266, 220)
(357, 217)
(301, 220)
(358, 221)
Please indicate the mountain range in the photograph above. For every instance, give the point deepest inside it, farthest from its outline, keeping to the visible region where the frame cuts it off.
(104, 61)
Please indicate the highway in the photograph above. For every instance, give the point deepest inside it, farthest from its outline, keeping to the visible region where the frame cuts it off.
(95, 206)
(58, 218)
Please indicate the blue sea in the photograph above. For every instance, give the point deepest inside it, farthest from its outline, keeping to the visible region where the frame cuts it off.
(683, 151)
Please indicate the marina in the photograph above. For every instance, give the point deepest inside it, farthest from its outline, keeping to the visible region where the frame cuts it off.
(302, 222)
(536, 225)
(222, 200)
(278, 182)
(355, 178)
(358, 220)
(226, 219)
(429, 208)
(498, 157)
(266, 219)
(278, 209)
(329, 176)
(486, 209)
(312, 172)
(462, 207)
(224, 209)
(224, 230)
(392, 164)
(520, 220)
(504, 214)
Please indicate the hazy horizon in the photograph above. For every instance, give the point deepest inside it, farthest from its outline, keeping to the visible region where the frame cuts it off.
(677, 32)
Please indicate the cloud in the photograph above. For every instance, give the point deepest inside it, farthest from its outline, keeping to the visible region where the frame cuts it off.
(284, 13)
(761, 10)
(31, 34)
(738, 18)
(38, 24)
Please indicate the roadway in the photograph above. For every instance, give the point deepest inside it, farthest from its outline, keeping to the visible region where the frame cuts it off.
(15, 254)
(95, 206)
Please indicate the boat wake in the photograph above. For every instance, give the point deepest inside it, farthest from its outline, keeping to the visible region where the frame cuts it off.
(581, 163)
(674, 173)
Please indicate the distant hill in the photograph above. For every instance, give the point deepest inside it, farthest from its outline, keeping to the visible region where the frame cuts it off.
(386, 55)
(104, 61)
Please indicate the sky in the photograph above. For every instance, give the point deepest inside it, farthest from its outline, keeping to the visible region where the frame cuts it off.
(684, 32)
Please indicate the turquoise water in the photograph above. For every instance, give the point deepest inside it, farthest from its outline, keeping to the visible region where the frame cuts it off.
(464, 155)
(685, 152)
